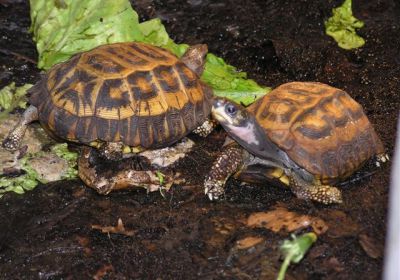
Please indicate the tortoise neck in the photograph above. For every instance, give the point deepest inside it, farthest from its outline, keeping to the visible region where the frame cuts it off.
(251, 136)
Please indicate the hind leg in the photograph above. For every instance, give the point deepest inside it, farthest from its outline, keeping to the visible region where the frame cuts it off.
(13, 141)
(325, 194)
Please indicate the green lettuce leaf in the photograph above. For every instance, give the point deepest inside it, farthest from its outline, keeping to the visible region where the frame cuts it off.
(342, 27)
(154, 33)
(31, 178)
(228, 82)
(62, 28)
(12, 97)
(20, 184)
(61, 150)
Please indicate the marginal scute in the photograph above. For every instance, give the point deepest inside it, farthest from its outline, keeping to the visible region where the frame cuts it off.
(134, 93)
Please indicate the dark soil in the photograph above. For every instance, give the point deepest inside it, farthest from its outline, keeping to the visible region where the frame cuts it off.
(47, 233)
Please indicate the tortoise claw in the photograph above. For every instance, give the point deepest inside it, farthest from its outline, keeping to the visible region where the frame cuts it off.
(11, 143)
(381, 158)
(214, 189)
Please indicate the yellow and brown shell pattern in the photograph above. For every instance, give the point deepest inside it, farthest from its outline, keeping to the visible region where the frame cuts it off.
(133, 93)
(320, 127)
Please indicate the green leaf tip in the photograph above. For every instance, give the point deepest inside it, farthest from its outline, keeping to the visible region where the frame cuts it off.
(294, 250)
(227, 82)
(12, 97)
(154, 33)
(342, 27)
(298, 246)
(161, 177)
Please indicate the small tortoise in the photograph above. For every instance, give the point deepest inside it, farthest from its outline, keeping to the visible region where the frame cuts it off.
(122, 98)
(307, 135)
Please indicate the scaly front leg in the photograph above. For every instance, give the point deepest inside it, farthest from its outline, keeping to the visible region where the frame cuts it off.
(205, 128)
(227, 163)
(13, 140)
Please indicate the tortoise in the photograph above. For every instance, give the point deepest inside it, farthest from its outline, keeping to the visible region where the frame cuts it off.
(306, 135)
(121, 98)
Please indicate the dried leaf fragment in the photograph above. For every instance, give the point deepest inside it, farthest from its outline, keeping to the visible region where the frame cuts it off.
(248, 242)
(281, 219)
(119, 229)
(370, 245)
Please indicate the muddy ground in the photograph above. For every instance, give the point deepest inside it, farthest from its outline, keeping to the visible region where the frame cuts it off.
(47, 233)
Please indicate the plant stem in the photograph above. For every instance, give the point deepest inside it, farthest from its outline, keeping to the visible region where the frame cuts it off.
(284, 267)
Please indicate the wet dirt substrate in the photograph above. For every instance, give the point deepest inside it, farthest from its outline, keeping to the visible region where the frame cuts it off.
(47, 233)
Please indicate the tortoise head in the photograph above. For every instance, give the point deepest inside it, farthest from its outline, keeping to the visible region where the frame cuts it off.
(243, 127)
(195, 58)
(236, 120)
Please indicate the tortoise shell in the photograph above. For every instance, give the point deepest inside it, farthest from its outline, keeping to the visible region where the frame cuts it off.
(320, 127)
(134, 93)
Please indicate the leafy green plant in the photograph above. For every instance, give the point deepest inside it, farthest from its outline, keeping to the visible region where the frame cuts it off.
(62, 28)
(30, 179)
(20, 184)
(342, 27)
(294, 250)
(161, 177)
(61, 150)
(12, 97)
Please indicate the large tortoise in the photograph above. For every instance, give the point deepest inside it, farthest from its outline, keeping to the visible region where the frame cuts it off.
(121, 98)
(308, 135)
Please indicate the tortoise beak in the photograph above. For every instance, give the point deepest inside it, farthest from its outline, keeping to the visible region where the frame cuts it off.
(218, 111)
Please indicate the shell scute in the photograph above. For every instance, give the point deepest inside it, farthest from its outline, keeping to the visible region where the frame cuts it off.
(142, 85)
(167, 79)
(188, 78)
(102, 64)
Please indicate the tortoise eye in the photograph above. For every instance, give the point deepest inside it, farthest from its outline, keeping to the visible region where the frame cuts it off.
(231, 110)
